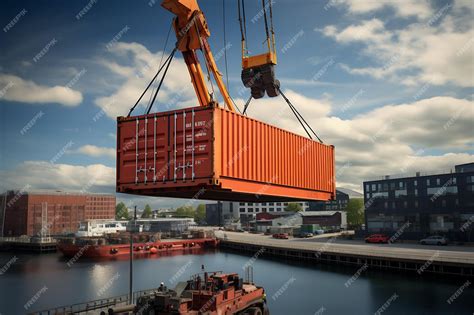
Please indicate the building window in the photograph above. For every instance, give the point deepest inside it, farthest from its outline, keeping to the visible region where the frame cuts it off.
(415, 183)
(443, 203)
(367, 186)
(470, 179)
(264, 209)
(454, 180)
(456, 202)
(393, 205)
(405, 204)
(242, 209)
(392, 186)
(367, 195)
(379, 187)
(374, 187)
(416, 203)
(428, 182)
(242, 204)
(400, 184)
(438, 181)
(416, 192)
(385, 186)
(385, 205)
(250, 210)
(271, 209)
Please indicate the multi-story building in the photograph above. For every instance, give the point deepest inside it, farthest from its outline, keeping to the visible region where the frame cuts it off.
(226, 212)
(422, 204)
(51, 213)
(254, 208)
(339, 204)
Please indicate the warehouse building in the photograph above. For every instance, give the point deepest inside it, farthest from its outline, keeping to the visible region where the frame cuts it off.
(45, 213)
(225, 212)
(422, 204)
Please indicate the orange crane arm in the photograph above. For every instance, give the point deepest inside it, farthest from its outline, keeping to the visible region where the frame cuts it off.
(192, 32)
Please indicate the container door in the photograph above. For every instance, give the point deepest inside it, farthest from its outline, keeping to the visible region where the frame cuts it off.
(191, 145)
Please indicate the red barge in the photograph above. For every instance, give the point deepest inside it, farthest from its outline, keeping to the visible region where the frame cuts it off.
(100, 248)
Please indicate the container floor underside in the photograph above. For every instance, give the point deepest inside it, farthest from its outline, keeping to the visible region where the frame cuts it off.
(269, 193)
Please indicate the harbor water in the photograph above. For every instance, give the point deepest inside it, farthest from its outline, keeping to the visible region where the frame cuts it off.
(36, 282)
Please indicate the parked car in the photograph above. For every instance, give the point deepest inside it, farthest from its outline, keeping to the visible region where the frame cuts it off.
(280, 235)
(306, 234)
(434, 240)
(377, 238)
(319, 232)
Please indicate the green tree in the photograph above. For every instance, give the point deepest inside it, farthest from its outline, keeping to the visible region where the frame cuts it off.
(200, 214)
(121, 211)
(146, 212)
(355, 212)
(294, 207)
(185, 212)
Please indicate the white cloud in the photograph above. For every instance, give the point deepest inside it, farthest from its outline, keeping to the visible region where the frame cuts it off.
(404, 8)
(20, 90)
(95, 151)
(65, 177)
(437, 49)
(138, 68)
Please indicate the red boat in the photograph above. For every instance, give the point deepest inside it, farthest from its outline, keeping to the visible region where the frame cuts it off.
(212, 293)
(99, 248)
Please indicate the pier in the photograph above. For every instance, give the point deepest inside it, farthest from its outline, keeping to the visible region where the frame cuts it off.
(412, 258)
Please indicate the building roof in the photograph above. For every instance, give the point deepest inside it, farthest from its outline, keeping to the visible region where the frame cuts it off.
(319, 213)
(56, 192)
(469, 167)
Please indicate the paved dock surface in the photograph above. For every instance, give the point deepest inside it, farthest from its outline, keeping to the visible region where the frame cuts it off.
(446, 254)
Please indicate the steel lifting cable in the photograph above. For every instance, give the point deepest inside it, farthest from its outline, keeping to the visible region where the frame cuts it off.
(247, 105)
(299, 117)
(225, 43)
(161, 59)
(151, 82)
(265, 19)
(170, 58)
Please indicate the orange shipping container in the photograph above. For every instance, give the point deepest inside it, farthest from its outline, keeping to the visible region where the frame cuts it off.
(214, 154)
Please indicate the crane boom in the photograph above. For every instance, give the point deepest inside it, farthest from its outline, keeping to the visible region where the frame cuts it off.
(192, 32)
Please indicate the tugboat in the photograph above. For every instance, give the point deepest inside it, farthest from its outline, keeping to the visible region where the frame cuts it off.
(213, 293)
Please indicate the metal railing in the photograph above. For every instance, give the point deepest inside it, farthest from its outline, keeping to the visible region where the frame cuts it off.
(84, 308)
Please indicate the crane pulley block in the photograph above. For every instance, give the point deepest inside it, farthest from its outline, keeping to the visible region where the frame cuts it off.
(261, 79)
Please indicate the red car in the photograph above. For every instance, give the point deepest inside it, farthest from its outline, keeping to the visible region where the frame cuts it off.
(280, 235)
(377, 238)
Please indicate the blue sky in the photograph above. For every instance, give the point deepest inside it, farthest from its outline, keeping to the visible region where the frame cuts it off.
(389, 84)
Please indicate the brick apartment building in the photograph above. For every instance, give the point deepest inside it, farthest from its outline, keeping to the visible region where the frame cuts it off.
(51, 213)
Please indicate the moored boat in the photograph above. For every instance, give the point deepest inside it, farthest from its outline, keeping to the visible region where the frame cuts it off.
(118, 246)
